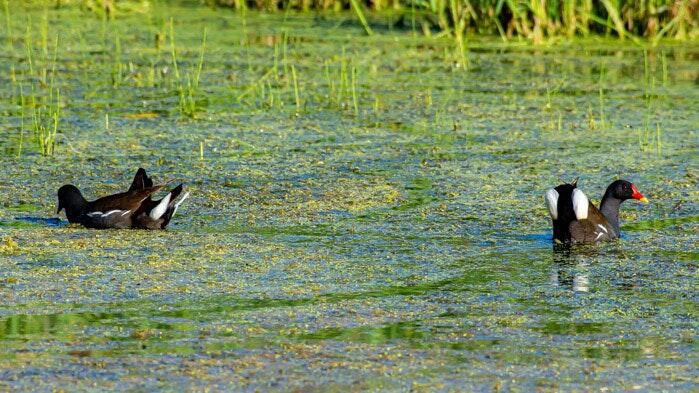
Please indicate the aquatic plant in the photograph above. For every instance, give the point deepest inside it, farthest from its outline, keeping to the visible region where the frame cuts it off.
(43, 105)
(413, 202)
(355, 101)
(117, 67)
(360, 15)
(533, 19)
(297, 96)
(110, 9)
(8, 26)
(187, 86)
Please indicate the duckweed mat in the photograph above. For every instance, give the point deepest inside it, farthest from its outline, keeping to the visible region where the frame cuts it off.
(367, 213)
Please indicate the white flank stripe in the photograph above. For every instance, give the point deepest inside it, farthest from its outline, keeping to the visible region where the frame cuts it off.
(580, 204)
(599, 234)
(94, 214)
(159, 210)
(107, 214)
(177, 205)
(603, 228)
(125, 213)
(552, 202)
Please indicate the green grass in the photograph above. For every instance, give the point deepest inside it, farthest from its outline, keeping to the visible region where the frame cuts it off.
(297, 96)
(274, 74)
(8, 25)
(535, 20)
(187, 85)
(41, 109)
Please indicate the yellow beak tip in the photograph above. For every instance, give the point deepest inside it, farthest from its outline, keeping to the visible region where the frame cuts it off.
(644, 200)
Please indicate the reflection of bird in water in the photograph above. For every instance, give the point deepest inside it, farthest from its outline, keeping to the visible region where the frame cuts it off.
(576, 282)
(567, 269)
(571, 264)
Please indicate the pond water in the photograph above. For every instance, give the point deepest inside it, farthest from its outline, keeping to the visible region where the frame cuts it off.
(367, 213)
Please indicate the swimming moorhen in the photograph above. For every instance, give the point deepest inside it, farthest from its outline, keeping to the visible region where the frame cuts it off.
(113, 211)
(154, 214)
(577, 220)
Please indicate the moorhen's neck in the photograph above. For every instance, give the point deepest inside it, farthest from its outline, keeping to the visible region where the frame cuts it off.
(74, 212)
(610, 208)
(75, 205)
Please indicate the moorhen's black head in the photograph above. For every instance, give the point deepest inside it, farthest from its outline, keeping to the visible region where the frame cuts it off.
(70, 198)
(623, 190)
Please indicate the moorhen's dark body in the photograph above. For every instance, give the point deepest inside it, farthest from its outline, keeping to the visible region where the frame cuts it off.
(577, 220)
(131, 209)
(155, 214)
(113, 211)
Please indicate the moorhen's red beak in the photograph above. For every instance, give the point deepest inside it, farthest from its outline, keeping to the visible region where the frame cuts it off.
(638, 195)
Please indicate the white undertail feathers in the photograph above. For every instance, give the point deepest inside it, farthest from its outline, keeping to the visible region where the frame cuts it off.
(580, 204)
(161, 208)
(552, 203)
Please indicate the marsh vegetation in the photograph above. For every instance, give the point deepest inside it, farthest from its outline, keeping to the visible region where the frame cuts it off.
(367, 210)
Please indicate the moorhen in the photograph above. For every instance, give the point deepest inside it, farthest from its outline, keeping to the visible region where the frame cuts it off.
(113, 211)
(154, 214)
(577, 220)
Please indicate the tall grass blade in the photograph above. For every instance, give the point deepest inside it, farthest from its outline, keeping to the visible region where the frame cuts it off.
(360, 14)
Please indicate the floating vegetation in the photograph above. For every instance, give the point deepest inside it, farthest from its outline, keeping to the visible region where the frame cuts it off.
(366, 211)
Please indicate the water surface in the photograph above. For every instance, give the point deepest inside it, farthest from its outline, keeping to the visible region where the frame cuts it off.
(390, 236)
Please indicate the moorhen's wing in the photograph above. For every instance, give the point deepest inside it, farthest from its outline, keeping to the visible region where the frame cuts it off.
(129, 200)
(115, 211)
(592, 229)
(141, 180)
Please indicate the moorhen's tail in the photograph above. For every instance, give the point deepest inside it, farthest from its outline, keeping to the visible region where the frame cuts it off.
(566, 204)
(166, 208)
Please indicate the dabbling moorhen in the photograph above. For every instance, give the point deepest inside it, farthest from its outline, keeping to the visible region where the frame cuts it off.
(155, 214)
(113, 211)
(577, 220)
(131, 209)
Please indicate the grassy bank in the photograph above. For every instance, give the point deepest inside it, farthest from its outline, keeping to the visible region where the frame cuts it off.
(536, 20)
(533, 19)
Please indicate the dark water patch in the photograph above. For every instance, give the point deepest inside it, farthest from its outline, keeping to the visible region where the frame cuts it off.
(542, 239)
(612, 353)
(368, 334)
(33, 222)
(574, 328)
(410, 333)
(40, 221)
(692, 256)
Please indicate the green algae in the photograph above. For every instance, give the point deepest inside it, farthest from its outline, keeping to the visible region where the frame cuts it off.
(327, 248)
